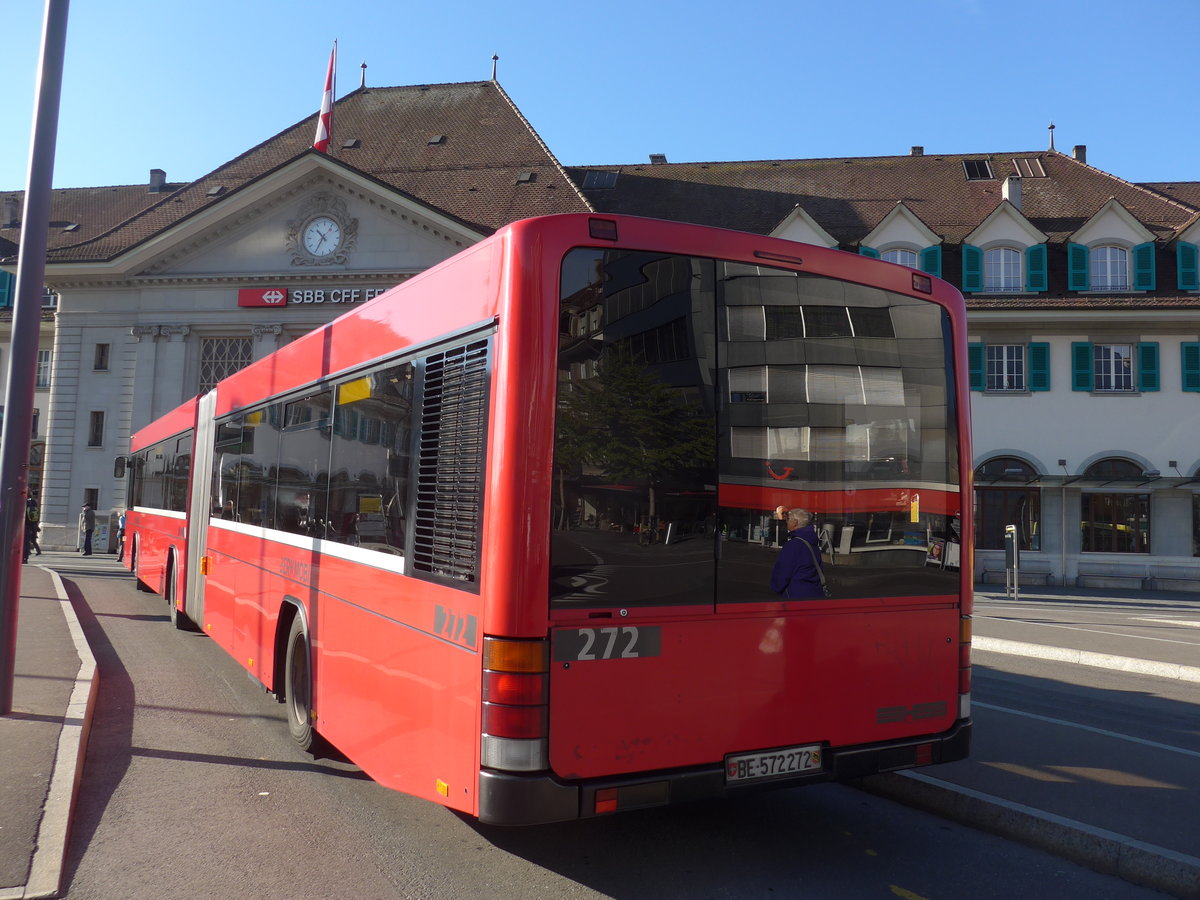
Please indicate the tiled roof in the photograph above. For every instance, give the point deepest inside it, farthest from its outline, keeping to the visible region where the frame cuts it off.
(472, 175)
(849, 196)
(92, 210)
(1187, 192)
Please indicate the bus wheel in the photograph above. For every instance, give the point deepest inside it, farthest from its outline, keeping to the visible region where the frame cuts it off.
(297, 686)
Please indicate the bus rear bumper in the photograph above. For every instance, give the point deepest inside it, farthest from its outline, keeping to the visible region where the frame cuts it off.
(510, 799)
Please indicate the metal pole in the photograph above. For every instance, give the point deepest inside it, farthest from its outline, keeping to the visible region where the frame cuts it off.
(27, 315)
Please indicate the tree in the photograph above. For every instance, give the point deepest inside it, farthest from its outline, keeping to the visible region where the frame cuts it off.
(631, 426)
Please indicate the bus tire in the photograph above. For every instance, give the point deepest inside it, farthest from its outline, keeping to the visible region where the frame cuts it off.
(297, 686)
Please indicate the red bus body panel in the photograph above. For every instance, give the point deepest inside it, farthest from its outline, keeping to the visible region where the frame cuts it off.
(740, 682)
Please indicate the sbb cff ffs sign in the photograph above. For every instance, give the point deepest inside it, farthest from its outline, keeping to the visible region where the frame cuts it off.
(276, 296)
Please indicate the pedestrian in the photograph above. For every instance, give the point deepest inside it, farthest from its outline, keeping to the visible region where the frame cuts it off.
(797, 573)
(87, 524)
(121, 536)
(32, 526)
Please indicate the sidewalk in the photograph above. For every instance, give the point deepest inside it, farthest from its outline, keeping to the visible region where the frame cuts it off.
(44, 740)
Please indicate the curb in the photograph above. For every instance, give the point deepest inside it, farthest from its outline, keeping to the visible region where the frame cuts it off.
(46, 867)
(1089, 658)
(1103, 851)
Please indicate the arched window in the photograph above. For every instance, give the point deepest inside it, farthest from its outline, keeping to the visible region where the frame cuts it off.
(901, 257)
(1002, 270)
(1113, 468)
(1112, 521)
(1005, 495)
(1109, 269)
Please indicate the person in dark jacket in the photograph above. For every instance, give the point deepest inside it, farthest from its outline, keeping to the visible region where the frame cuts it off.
(795, 575)
(32, 526)
(87, 525)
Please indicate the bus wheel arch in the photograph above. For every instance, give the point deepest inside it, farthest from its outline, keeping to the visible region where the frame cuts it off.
(171, 592)
(134, 560)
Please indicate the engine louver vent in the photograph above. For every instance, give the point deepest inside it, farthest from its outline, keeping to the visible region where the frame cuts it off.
(449, 509)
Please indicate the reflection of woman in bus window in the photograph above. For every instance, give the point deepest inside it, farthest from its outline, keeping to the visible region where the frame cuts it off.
(795, 574)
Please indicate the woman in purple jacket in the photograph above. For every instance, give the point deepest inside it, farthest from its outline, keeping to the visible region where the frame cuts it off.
(796, 574)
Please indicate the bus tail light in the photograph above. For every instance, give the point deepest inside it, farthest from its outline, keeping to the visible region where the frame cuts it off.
(516, 709)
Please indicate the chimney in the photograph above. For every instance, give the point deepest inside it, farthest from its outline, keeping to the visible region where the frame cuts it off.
(158, 181)
(916, 151)
(1012, 191)
(658, 159)
(1079, 151)
(10, 212)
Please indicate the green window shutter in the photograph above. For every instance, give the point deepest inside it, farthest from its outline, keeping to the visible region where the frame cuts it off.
(972, 262)
(975, 366)
(1143, 267)
(1187, 262)
(1191, 366)
(1081, 366)
(864, 250)
(931, 260)
(7, 289)
(1039, 366)
(1148, 366)
(1078, 257)
(1035, 268)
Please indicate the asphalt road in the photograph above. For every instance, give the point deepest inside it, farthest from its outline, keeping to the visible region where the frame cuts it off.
(192, 788)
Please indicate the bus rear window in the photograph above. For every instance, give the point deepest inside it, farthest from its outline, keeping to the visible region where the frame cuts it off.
(697, 395)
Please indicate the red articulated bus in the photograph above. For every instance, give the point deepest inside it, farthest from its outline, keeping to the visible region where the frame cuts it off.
(504, 535)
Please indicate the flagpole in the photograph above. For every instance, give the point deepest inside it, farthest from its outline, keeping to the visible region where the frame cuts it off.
(333, 95)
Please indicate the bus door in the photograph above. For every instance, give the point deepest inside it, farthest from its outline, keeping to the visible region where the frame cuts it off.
(198, 506)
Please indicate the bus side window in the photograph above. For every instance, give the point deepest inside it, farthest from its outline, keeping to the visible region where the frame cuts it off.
(370, 475)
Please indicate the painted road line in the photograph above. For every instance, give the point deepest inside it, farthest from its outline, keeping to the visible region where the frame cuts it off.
(1089, 658)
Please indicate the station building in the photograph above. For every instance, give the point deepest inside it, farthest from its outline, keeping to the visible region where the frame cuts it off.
(1083, 297)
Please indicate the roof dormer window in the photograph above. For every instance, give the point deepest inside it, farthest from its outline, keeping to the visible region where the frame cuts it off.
(1002, 270)
(1109, 270)
(901, 257)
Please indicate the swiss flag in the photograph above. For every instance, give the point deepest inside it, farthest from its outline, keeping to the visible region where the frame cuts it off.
(325, 119)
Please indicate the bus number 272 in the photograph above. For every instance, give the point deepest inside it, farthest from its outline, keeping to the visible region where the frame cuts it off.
(610, 642)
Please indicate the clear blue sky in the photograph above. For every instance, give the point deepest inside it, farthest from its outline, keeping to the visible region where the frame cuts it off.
(186, 86)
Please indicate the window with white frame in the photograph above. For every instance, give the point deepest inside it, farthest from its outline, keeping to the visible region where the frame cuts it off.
(42, 378)
(1112, 367)
(1002, 270)
(1005, 367)
(1109, 269)
(901, 257)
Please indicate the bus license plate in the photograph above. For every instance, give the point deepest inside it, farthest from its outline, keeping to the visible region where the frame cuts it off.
(745, 767)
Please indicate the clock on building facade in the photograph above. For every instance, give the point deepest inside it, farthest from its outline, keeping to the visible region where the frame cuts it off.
(323, 233)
